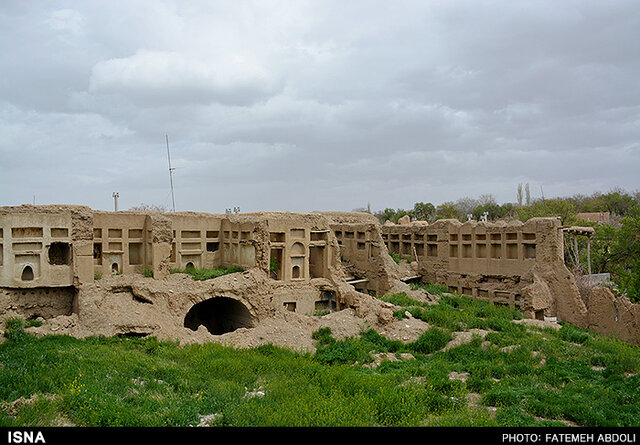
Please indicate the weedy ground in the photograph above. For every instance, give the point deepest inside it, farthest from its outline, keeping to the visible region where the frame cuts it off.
(515, 375)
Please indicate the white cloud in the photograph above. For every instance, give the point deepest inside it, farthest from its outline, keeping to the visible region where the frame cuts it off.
(316, 105)
(155, 78)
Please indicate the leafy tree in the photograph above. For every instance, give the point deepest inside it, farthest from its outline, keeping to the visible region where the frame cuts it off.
(549, 207)
(390, 214)
(447, 210)
(423, 211)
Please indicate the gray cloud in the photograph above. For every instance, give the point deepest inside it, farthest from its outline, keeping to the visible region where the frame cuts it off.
(316, 105)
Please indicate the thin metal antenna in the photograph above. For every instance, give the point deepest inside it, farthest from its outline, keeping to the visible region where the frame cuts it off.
(173, 200)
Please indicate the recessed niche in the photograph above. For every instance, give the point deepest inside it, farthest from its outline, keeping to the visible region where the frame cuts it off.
(59, 233)
(27, 247)
(319, 236)
(136, 255)
(135, 233)
(316, 261)
(190, 234)
(27, 273)
(59, 253)
(97, 253)
(26, 232)
(114, 233)
(277, 237)
(297, 249)
(529, 251)
(191, 246)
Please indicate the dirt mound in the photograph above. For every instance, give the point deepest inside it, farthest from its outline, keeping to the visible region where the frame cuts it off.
(139, 306)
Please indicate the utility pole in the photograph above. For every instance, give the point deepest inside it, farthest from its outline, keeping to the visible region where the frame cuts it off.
(115, 195)
(173, 200)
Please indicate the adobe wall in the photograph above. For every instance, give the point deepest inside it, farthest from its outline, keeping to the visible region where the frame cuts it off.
(45, 246)
(516, 264)
(71, 261)
(306, 276)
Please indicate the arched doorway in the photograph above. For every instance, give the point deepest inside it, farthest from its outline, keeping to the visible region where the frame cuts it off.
(219, 315)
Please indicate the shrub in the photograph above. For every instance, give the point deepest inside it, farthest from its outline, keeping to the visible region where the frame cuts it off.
(573, 334)
(395, 257)
(14, 330)
(432, 340)
(347, 351)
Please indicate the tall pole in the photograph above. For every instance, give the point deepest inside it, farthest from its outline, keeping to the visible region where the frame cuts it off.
(173, 200)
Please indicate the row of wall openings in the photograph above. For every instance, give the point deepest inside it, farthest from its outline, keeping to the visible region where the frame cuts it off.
(509, 236)
(495, 251)
(136, 253)
(350, 234)
(117, 233)
(497, 297)
(406, 248)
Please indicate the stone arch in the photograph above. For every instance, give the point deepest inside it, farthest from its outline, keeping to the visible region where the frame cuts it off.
(114, 268)
(219, 315)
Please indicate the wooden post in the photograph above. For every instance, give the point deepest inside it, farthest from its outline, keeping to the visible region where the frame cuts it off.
(589, 254)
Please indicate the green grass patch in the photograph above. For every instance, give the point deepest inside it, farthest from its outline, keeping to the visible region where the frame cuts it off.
(208, 274)
(527, 375)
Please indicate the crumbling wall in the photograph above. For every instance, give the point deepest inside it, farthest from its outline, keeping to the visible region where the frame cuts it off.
(305, 263)
(613, 316)
(128, 245)
(511, 263)
(45, 246)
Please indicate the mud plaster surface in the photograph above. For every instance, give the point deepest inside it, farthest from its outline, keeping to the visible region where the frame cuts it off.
(134, 305)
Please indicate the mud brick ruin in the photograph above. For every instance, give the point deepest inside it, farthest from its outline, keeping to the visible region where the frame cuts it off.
(109, 273)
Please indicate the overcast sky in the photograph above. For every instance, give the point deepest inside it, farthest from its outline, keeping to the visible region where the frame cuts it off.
(316, 105)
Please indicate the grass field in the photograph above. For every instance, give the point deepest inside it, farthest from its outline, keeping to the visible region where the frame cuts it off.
(515, 376)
